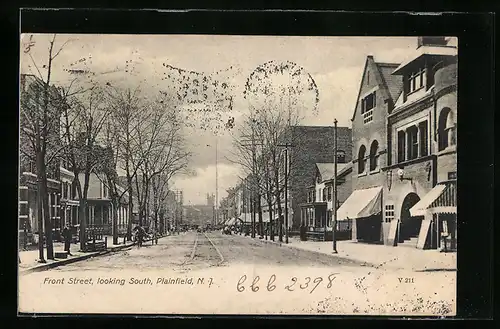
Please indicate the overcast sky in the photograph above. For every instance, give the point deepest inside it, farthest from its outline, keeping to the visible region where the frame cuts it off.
(335, 63)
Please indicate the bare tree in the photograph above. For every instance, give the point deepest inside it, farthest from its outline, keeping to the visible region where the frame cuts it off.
(40, 110)
(83, 122)
(125, 121)
(160, 148)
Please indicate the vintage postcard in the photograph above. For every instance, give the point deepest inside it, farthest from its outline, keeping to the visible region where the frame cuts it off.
(218, 174)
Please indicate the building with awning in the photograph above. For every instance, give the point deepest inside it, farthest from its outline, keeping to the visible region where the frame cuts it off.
(439, 208)
(441, 199)
(362, 211)
(361, 203)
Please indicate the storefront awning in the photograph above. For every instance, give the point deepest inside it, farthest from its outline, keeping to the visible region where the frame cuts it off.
(361, 203)
(441, 199)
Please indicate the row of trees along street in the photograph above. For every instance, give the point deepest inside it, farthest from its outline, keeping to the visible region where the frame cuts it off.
(278, 95)
(96, 127)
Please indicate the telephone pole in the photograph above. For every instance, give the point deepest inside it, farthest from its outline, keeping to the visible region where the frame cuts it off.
(334, 224)
(216, 182)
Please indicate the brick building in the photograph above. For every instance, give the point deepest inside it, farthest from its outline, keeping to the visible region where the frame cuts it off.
(311, 145)
(28, 229)
(377, 94)
(413, 128)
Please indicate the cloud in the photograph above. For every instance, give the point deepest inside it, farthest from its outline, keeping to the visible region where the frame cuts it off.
(335, 63)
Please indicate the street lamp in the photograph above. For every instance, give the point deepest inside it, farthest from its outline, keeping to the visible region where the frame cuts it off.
(334, 204)
(401, 175)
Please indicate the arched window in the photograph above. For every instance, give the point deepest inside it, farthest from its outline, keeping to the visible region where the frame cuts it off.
(446, 129)
(374, 155)
(361, 159)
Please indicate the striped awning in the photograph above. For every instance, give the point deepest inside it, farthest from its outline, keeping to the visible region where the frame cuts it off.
(441, 199)
(361, 203)
(447, 201)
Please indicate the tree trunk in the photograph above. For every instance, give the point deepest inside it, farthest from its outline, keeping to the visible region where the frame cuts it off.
(82, 216)
(270, 207)
(40, 220)
(259, 209)
(46, 213)
(130, 207)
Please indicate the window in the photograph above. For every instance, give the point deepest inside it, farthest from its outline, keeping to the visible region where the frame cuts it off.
(423, 131)
(73, 190)
(446, 129)
(367, 105)
(340, 156)
(361, 159)
(374, 155)
(324, 194)
(452, 175)
(412, 136)
(389, 213)
(329, 193)
(368, 77)
(416, 80)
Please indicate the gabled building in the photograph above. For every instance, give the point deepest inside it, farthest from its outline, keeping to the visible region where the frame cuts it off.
(378, 92)
(404, 138)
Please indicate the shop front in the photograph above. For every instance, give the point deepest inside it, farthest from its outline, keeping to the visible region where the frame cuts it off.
(362, 213)
(439, 229)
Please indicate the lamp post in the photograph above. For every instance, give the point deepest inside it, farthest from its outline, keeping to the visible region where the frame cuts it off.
(334, 224)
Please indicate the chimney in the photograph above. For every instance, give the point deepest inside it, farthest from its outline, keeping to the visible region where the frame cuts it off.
(431, 41)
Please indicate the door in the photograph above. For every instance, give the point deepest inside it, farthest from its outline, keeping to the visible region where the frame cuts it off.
(410, 226)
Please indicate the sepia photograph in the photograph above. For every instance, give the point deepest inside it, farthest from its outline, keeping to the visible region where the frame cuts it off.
(237, 174)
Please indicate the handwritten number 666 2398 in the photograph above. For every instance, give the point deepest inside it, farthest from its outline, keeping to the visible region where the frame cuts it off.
(270, 286)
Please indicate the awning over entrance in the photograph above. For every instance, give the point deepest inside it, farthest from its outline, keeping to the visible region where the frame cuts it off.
(361, 203)
(441, 199)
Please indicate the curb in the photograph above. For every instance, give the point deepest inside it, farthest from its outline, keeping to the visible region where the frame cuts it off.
(45, 267)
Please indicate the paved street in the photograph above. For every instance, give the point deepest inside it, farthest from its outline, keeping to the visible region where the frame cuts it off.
(193, 251)
(203, 273)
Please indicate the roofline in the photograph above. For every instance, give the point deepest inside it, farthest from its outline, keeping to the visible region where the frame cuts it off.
(385, 89)
(387, 64)
(418, 54)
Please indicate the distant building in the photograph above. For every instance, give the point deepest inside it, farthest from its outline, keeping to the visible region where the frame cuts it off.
(311, 145)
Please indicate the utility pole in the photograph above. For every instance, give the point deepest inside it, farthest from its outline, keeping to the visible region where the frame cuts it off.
(216, 181)
(253, 176)
(286, 169)
(334, 224)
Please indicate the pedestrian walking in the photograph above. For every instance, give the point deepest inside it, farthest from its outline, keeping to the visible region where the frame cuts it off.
(67, 235)
(139, 235)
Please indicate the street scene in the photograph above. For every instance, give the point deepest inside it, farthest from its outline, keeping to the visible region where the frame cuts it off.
(185, 174)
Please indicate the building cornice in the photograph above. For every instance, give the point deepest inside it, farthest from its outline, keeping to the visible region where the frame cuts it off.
(445, 90)
(407, 110)
(410, 162)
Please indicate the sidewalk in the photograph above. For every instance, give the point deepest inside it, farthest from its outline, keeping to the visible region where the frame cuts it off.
(379, 256)
(29, 258)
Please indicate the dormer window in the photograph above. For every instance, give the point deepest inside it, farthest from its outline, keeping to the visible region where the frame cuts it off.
(416, 80)
(367, 105)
